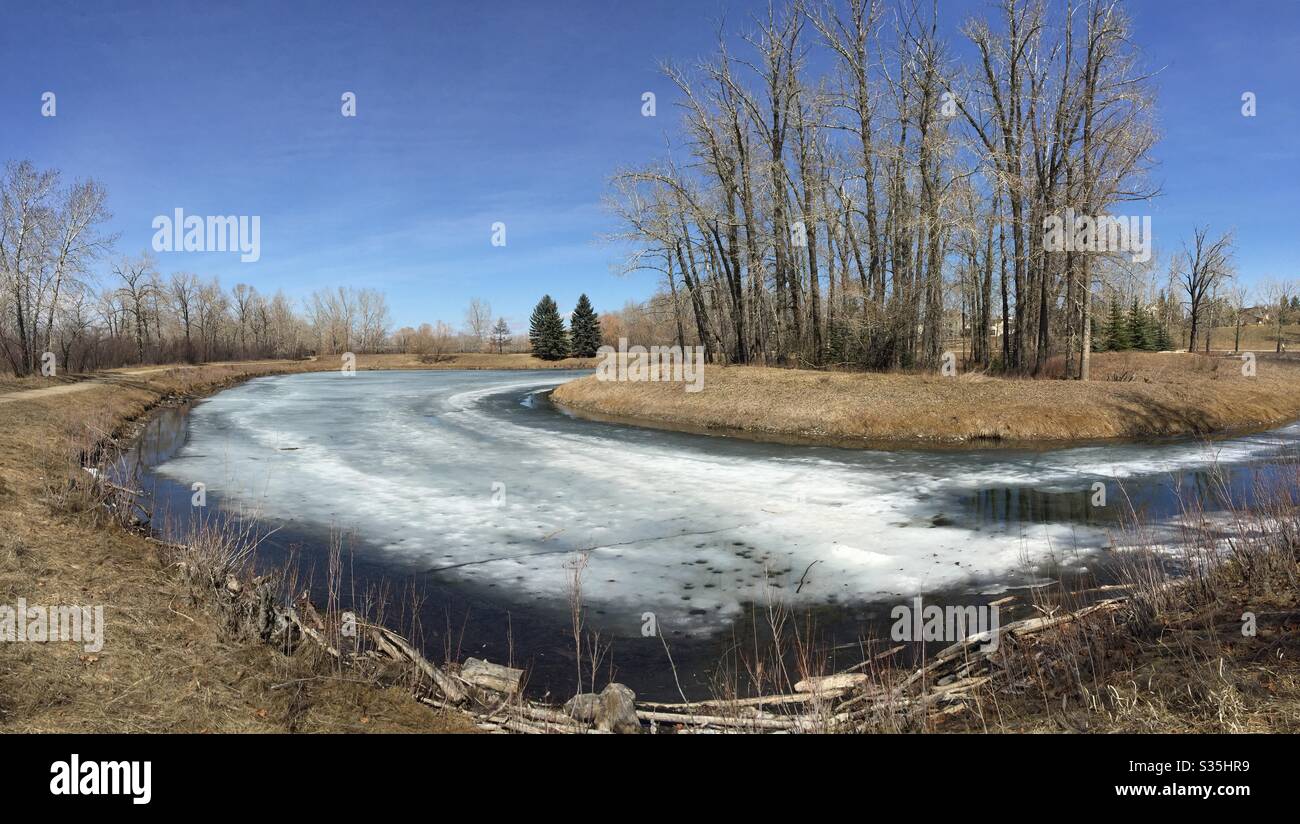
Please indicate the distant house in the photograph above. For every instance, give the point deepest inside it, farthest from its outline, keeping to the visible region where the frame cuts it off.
(954, 325)
(1257, 315)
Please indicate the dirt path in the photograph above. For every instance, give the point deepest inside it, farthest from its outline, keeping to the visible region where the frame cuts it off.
(101, 378)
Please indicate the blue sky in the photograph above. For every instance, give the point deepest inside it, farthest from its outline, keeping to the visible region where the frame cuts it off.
(471, 113)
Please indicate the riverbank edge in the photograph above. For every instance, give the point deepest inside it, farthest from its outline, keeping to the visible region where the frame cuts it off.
(642, 405)
(803, 438)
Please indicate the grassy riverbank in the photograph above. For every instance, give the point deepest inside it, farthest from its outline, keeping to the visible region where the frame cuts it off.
(1131, 395)
(167, 663)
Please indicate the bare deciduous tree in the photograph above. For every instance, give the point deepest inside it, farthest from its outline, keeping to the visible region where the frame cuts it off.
(478, 321)
(1201, 267)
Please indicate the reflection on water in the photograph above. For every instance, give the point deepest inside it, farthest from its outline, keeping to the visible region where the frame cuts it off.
(700, 531)
(1146, 497)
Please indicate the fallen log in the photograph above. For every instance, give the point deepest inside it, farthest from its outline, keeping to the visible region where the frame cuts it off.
(486, 675)
(793, 722)
(880, 656)
(397, 646)
(720, 704)
(832, 684)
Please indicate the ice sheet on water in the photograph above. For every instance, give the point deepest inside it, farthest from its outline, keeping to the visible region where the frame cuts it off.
(683, 526)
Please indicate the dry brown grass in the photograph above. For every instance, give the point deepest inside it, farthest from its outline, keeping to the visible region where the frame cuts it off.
(1132, 395)
(167, 665)
(1255, 338)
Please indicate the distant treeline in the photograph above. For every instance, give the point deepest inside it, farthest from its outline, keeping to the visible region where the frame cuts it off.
(63, 291)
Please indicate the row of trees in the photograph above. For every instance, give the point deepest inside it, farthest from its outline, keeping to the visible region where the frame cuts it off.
(52, 239)
(551, 341)
(433, 342)
(1272, 307)
(846, 217)
(140, 316)
(52, 236)
(1136, 329)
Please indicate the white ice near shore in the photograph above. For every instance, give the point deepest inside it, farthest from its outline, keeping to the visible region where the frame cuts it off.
(676, 525)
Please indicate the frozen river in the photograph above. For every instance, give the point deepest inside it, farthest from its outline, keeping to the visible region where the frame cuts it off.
(472, 483)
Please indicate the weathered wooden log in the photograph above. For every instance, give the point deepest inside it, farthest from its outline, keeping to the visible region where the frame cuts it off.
(1030, 626)
(723, 704)
(792, 722)
(833, 684)
(552, 716)
(517, 717)
(880, 656)
(397, 646)
(963, 685)
(495, 677)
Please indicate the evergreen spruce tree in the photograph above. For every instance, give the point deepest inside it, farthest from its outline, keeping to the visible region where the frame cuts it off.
(1139, 329)
(537, 324)
(1117, 338)
(835, 345)
(546, 331)
(1162, 342)
(584, 328)
(500, 335)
